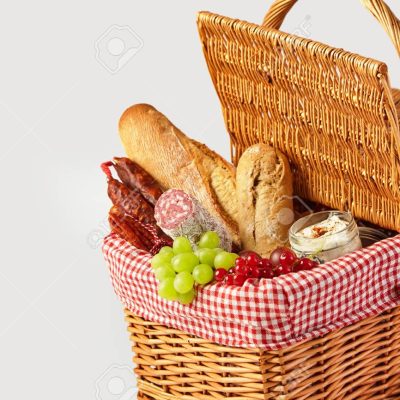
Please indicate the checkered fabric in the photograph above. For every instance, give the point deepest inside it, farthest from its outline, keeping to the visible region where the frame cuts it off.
(269, 314)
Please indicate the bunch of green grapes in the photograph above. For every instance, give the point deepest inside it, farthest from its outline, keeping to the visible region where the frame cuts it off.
(179, 269)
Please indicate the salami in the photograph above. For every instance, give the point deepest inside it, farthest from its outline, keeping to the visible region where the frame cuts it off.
(179, 214)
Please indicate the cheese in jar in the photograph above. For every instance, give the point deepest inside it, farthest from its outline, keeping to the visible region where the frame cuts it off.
(325, 235)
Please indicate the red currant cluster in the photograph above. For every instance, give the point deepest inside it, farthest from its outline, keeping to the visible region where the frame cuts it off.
(251, 265)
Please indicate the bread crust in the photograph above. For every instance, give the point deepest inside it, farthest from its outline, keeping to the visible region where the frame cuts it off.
(264, 193)
(221, 175)
(176, 161)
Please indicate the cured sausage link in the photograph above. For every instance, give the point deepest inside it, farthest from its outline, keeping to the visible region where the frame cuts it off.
(145, 235)
(120, 225)
(135, 177)
(130, 202)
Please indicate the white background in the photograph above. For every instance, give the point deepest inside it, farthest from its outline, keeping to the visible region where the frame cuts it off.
(61, 326)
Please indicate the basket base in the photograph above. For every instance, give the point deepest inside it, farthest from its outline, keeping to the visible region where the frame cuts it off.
(359, 362)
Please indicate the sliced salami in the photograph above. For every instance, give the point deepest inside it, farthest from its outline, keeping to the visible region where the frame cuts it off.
(179, 214)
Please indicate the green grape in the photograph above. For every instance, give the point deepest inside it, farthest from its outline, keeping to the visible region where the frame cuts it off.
(209, 240)
(197, 252)
(206, 256)
(225, 260)
(166, 250)
(182, 245)
(184, 262)
(161, 259)
(183, 282)
(218, 250)
(164, 272)
(203, 274)
(187, 298)
(166, 289)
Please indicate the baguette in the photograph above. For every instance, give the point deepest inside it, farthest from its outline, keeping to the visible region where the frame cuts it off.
(221, 175)
(178, 162)
(264, 191)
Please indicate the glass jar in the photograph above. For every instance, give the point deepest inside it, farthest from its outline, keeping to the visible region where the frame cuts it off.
(325, 235)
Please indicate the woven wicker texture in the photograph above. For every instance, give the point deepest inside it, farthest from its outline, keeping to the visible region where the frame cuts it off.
(331, 112)
(360, 362)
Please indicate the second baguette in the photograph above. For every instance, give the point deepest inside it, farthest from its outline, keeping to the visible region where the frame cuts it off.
(264, 193)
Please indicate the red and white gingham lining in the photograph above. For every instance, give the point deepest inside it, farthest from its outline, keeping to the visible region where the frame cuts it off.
(271, 314)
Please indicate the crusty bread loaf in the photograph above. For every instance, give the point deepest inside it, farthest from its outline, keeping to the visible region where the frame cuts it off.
(176, 161)
(264, 193)
(221, 175)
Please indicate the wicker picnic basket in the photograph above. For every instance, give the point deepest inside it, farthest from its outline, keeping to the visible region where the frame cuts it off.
(335, 116)
(334, 335)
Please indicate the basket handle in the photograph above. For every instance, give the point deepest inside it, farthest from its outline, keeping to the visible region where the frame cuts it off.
(379, 9)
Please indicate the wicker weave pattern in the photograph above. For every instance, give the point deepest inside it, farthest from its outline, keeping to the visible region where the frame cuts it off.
(332, 112)
(360, 362)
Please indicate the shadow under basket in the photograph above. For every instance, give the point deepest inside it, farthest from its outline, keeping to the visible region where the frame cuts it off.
(361, 361)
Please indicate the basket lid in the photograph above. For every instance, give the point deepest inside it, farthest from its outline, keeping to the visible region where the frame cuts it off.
(330, 111)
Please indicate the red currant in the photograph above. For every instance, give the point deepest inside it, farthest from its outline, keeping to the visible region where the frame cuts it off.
(247, 254)
(239, 279)
(240, 270)
(229, 280)
(275, 256)
(240, 266)
(220, 274)
(240, 262)
(253, 259)
(282, 270)
(287, 258)
(253, 271)
(305, 264)
(267, 273)
(265, 263)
